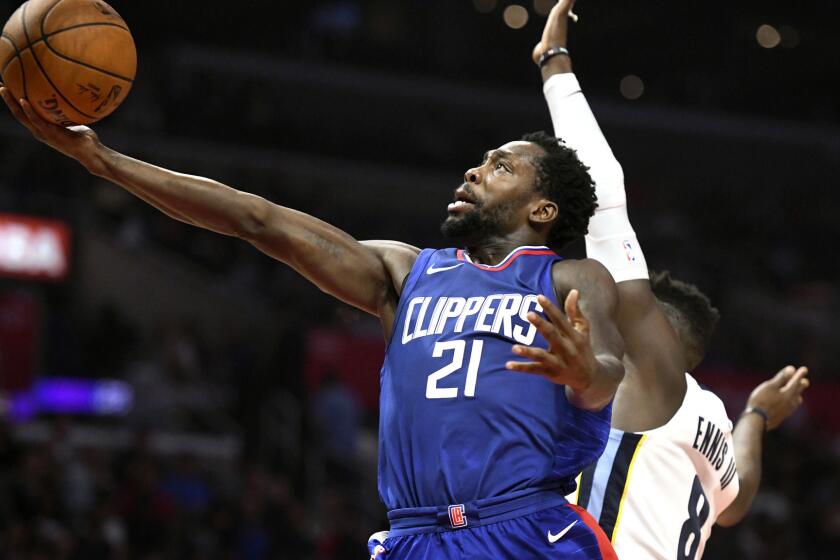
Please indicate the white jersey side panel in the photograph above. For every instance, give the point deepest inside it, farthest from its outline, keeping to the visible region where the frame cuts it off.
(657, 494)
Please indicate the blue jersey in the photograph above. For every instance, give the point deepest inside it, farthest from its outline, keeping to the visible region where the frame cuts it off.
(455, 424)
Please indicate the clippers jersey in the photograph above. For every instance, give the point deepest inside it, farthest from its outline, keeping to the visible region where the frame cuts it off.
(455, 425)
(658, 493)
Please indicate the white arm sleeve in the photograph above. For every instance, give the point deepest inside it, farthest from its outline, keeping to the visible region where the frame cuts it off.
(611, 239)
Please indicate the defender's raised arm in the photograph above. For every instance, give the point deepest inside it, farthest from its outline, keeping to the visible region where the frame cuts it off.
(367, 277)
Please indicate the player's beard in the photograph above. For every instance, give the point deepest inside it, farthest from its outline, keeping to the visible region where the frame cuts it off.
(478, 224)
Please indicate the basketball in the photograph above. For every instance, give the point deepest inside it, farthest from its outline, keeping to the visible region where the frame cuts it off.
(73, 60)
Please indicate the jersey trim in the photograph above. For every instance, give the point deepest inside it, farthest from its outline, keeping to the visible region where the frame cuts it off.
(461, 255)
(616, 489)
(576, 500)
(627, 485)
(604, 546)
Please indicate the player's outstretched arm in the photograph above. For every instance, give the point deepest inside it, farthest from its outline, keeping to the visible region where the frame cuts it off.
(649, 339)
(357, 274)
(768, 406)
(611, 239)
(585, 347)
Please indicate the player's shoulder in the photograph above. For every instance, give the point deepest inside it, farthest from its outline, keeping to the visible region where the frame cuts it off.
(574, 270)
(392, 248)
(702, 400)
(585, 275)
(397, 257)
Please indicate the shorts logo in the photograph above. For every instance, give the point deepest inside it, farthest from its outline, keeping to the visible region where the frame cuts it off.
(457, 517)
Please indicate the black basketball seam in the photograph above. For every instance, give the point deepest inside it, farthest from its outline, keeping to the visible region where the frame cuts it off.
(17, 56)
(86, 65)
(62, 30)
(40, 67)
(17, 52)
(67, 58)
(47, 13)
(10, 39)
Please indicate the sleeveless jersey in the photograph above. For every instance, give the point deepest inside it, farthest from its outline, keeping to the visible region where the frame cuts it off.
(658, 493)
(455, 424)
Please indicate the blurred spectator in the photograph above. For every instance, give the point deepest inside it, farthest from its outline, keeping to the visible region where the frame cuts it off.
(338, 415)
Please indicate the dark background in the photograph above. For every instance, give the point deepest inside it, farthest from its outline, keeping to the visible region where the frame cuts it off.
(253, 432)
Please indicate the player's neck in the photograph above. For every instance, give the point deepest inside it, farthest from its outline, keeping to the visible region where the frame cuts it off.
(491, 252)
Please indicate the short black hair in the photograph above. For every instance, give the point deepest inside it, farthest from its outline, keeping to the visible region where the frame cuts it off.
(563, 179)
(689, 311)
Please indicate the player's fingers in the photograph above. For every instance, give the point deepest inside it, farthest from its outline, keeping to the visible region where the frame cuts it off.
(575, 315)
(560, 343)
(539, 355)
(534, 368)
(37, 122)
(782, 377)
(792, 384)
(555, 316)
(800, 388)
(14, 107)
(548, 329)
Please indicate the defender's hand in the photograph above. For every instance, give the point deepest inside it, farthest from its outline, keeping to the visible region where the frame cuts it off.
(77, 142)
(569, 359)
(781, 395)
(556, 28)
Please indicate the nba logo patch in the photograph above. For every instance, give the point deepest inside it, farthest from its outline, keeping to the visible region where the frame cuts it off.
(457, 517)
(629, 251)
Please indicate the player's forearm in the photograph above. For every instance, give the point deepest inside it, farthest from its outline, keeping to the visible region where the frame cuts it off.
(611, 239)
(194, 200)
(326, 256)
(604, 384)
(747, 440)
(575, 124)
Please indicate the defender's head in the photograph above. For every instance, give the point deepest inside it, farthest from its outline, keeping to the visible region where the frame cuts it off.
(690, 313)
(536, 188)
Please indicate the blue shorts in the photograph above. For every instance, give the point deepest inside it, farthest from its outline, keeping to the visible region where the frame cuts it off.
(539, 525)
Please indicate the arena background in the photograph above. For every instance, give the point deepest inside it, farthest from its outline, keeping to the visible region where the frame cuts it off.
(174, 394)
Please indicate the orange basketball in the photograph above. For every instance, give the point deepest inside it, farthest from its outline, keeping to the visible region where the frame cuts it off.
(73, 60)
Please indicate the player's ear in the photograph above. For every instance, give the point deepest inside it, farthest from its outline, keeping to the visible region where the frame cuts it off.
(544, 211)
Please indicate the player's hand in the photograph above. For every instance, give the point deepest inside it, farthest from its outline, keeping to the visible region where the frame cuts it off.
(76, 142)
(781, 395)
(569, 359)
(556, 29)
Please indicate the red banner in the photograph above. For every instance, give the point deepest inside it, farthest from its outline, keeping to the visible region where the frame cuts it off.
(34, 248)
(354, 359)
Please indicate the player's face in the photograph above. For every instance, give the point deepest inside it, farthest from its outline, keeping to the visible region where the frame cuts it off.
(495, 197)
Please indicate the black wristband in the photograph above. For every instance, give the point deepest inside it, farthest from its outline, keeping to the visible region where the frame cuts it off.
(760, 411)
(551, 53)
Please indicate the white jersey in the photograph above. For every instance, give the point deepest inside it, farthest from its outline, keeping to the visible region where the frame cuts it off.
(658, 493)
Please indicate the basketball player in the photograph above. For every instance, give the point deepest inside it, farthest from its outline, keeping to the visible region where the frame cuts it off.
(669, 470)
(475, 457)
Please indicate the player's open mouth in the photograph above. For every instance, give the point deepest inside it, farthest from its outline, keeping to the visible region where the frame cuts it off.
(460, 206)
(463, 201)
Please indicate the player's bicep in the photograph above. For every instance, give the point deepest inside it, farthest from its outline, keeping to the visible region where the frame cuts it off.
(650, 339)
(598, 303)
(398, 257)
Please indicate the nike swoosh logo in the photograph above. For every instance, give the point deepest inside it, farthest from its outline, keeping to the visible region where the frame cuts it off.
(554, 538)
(433, 270)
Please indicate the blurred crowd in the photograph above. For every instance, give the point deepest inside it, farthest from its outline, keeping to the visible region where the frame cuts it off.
(59, 501)
(64, 502)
